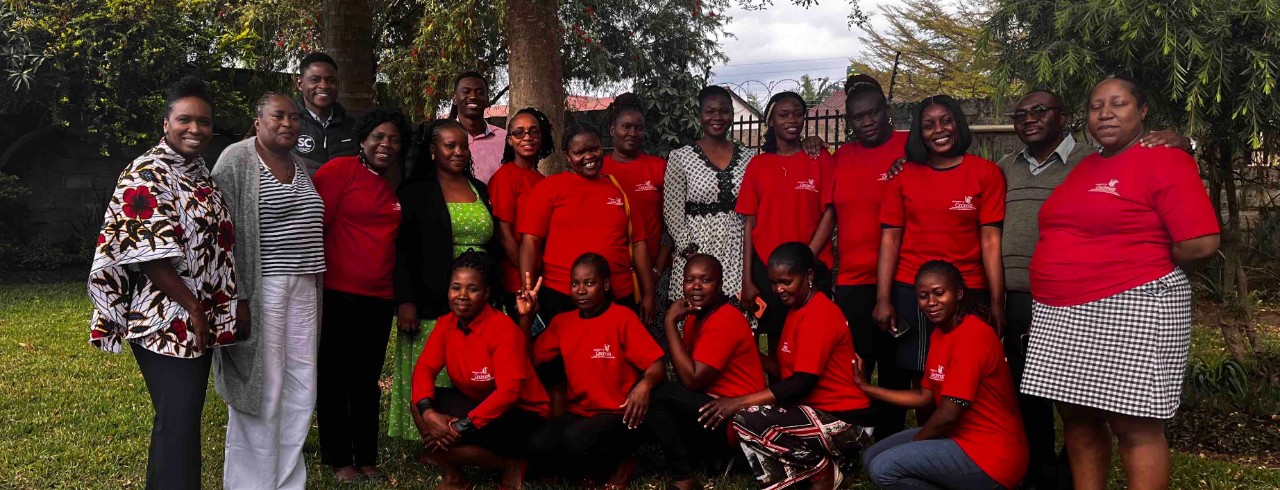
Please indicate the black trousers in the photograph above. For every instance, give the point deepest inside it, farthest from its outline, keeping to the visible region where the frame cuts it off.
(353, 345)
(673, 422)
(506, 436)
(775, 313)
(177, 387)
(573, 445)
(878, 350)
(1046, 470)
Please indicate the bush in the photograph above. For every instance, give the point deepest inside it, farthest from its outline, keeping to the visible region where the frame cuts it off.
(1227, 385)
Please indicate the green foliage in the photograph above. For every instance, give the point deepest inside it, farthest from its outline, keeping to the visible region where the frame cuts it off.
(1207, 64)
(18, 58)
(108, 62)
(816, 90)
(938, 43)
(1225, 384)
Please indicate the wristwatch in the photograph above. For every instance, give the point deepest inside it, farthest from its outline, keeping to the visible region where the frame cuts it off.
(463, 425)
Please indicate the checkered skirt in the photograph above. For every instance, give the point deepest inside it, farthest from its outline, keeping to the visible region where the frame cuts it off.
(1126, 353)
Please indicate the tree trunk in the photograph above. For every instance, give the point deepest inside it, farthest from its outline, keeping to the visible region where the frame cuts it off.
(535, 71)
(1235, 284)
(348, 38)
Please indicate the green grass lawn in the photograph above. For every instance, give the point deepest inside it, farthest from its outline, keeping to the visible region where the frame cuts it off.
(74, 417)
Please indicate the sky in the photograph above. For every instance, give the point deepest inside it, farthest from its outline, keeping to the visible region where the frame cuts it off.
(773, 47)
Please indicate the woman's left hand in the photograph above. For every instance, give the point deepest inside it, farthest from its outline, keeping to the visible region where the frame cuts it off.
(713, 414)
(243, 320)
(998, 319)
(636, 406)
(646, 308)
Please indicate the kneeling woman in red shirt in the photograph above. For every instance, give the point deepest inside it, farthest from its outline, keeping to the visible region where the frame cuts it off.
(799, 428)
(611, 364)
(496, 401)
(974, 438)
(717, 357)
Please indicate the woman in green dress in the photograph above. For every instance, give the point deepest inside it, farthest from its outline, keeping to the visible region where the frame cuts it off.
(445, 211)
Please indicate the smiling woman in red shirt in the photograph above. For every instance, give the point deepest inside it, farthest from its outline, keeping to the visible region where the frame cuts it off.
(640, 174)
(611, 364)
(799, 427)
(529, 140)
(786, 197)
(361, 219)
(577, 212)
(1112, 320)
(496, 400)
(716, 357)
(974, 437)
(945, 205)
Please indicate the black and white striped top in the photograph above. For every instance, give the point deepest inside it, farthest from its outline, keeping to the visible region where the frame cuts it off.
(291, 224)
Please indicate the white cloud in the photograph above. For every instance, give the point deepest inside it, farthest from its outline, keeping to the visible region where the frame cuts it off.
(776, 45)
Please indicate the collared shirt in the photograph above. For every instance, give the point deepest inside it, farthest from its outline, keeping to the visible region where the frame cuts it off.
(324, 123)
(486, 151)
(1062, 153)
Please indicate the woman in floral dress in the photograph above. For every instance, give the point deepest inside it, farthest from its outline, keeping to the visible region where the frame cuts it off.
(163, 280)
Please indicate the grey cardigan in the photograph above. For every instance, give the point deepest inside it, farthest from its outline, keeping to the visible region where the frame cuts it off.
(236, 368)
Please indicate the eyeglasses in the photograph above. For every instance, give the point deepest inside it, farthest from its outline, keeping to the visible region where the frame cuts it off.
(1038, 111)
(519, 134)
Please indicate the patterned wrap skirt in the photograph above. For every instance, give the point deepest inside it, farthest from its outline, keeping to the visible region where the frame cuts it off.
(1126, 353)
(788, 445)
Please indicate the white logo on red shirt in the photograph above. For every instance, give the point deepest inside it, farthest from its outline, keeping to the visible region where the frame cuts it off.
(883, 177)
(615, 201)
(604, 353)
(646, 186)
(937, 374)
(965, 205)
(1107, 188)
(806, 185)
(395, 206)
(481, 375)
(786, 347)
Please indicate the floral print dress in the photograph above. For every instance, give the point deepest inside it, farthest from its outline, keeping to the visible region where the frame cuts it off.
(164, 207)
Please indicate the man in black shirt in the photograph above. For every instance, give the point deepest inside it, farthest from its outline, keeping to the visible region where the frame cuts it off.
(326, 131)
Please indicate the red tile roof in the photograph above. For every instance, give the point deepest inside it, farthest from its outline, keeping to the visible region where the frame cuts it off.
(574, 103)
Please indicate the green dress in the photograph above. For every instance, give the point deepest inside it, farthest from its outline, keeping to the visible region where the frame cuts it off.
(472, 229)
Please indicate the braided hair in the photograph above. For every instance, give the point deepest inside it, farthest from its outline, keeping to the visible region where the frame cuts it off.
(486, 266)
(594, 261)
(544, 126)
(425, 138)
(770, 138)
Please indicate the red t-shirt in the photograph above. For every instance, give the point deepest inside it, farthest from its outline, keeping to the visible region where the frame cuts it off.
(816, 340)
(507, 189)
(1110, 225)
(361, 217)
(942, 213)
(490, 364)
(787, 195)
(603, 357)
(575, 215)
(861, 177)
(644, 180)
(723, 341)
(968, 363)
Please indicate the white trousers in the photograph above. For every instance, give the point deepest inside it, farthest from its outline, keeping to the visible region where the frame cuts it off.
(265, 451)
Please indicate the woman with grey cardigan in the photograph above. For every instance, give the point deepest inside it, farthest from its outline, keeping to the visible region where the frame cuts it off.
(269, 381)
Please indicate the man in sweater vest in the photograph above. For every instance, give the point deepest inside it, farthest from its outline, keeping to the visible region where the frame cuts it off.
(1032, 174)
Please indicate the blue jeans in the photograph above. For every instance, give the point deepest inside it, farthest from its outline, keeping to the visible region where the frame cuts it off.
(899, 462)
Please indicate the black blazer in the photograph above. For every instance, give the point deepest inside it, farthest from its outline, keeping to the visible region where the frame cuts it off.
(424, 244)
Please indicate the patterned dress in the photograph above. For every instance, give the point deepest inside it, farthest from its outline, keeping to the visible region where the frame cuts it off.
(698, 209)
(164, 207)
(472, 229)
